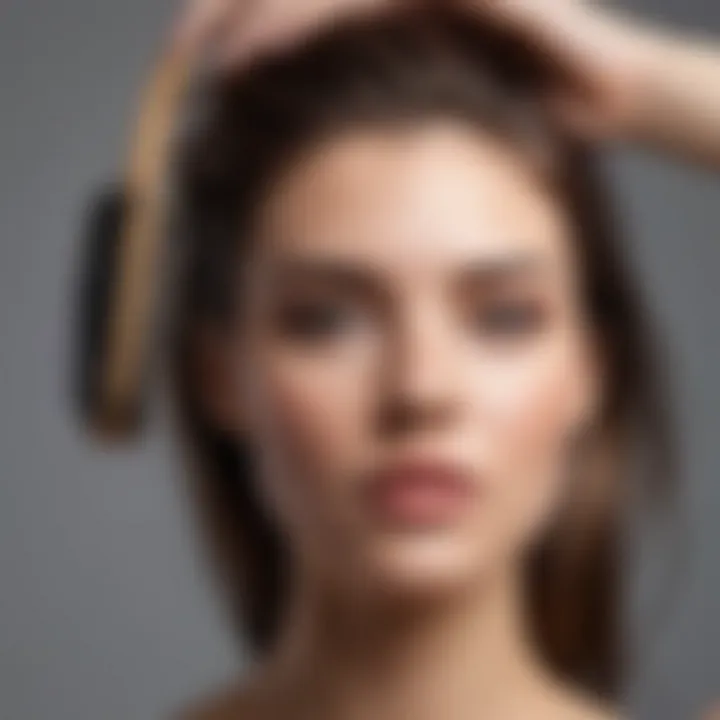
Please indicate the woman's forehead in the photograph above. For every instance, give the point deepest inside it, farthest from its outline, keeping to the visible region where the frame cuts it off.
(442, 197)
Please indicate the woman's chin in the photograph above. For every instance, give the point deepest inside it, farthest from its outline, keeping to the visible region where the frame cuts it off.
(416, 566)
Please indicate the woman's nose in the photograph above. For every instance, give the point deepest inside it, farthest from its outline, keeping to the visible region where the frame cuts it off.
(422, 373)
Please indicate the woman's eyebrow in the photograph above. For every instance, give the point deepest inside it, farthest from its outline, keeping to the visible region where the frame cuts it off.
(352, 275)
(328, 271)
(504, 267)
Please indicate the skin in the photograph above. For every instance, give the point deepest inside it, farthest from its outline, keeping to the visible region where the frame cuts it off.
(463, 322)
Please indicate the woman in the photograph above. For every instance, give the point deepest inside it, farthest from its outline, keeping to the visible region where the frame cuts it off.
(410, 361)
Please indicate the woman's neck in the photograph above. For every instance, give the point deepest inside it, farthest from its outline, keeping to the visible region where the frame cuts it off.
(467, 655)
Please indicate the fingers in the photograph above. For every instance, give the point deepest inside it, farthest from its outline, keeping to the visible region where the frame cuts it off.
(233, 30)
(260, 31)
(523, 13)
(275, 25)
(201, 19)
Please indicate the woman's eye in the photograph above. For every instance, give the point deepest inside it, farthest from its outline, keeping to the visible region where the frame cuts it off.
(315, 321)
(509, 319)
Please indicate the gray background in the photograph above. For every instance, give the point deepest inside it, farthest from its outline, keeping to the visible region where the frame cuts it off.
(103, 608)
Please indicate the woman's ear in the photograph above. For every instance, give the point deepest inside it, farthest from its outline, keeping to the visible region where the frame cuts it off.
(216, 372)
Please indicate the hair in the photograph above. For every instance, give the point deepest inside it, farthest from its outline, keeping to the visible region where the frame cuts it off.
(402, 69)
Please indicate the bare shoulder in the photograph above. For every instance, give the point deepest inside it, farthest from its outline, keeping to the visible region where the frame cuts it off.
(596, 712)
(236, 701)
(570, 702)
(582, 706)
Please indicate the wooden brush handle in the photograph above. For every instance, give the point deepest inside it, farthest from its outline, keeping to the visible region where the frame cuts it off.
(133, 295)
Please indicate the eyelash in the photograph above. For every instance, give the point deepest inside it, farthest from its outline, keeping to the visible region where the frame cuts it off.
(508, 319)
(313, 320)
(318, 321)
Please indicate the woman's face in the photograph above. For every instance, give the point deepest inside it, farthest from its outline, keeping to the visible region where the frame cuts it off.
(412, 298)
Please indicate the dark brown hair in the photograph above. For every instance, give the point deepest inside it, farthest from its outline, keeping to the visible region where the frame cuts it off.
(404, 69)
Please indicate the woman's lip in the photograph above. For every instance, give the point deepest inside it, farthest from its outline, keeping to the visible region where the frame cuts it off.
(420, 492)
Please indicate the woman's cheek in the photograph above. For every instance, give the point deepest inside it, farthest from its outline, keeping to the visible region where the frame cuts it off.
(526, 404)
(313, 411)
(524, 408)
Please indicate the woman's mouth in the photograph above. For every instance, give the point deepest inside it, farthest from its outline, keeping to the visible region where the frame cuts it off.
(420, 492)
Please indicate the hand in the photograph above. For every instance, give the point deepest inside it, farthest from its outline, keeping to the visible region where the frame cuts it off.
(604, 55)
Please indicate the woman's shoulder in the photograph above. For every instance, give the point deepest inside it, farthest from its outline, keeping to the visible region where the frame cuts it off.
(581, 706)
(239, 702)
(234, 701)
(244, 699)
